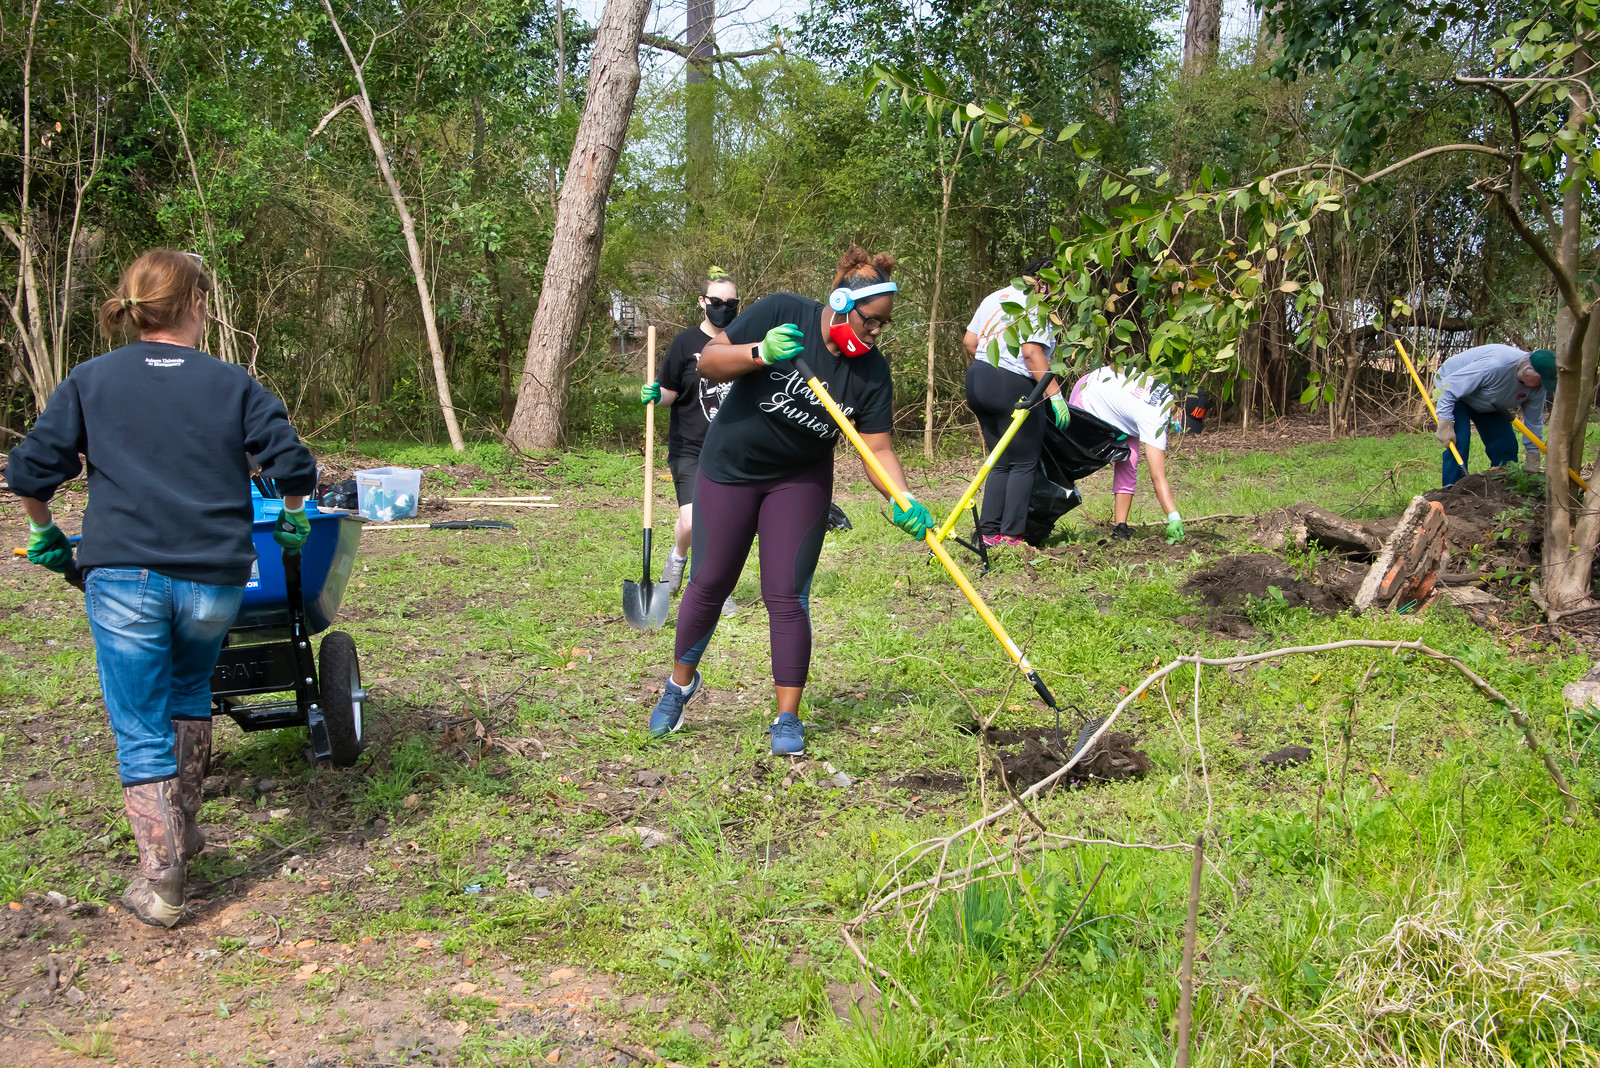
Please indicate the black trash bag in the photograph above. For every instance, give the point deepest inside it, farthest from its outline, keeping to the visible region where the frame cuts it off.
(1046, 505)
(837, 520)
(340, 495)
(1084, 447)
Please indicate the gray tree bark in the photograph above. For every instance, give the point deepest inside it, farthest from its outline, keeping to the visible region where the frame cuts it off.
(700, 102)
(580, 225)
(1202, 31)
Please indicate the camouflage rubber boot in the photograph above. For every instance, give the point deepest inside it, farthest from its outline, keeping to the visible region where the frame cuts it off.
(194, 756)
(157, 821)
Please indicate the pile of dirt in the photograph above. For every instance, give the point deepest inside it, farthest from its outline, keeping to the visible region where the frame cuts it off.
(1030, 754)
(1236, 581)
(1477, 507)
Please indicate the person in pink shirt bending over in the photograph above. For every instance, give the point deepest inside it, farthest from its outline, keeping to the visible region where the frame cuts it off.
(1140, 407)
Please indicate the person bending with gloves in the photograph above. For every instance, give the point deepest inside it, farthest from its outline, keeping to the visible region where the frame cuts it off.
(694, 402)
(1486, 385)
(767, 469)
(166, 549)
(1140, 407)
(993, 390)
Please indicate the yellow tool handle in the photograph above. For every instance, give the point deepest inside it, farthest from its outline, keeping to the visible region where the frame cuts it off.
(1520, 425)
(1018, 416)
(900, 498)
(649, 425)
(989, 461)
(1427, 399)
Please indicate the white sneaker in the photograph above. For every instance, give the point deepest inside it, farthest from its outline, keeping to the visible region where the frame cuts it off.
(672, 574)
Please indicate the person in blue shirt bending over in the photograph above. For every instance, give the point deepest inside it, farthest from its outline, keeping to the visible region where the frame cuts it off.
(1487, 385)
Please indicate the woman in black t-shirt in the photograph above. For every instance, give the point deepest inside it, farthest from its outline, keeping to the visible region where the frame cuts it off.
(694, 402)
(767, 468)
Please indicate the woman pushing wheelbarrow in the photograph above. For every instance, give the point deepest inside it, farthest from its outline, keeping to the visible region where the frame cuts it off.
(169, 433)
(767, 468)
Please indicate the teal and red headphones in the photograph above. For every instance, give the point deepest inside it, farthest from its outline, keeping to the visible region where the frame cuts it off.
(842, 301)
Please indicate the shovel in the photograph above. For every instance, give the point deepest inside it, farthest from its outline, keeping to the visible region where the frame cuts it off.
(645, 603)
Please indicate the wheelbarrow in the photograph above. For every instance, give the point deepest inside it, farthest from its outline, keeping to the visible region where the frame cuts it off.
(268, 649)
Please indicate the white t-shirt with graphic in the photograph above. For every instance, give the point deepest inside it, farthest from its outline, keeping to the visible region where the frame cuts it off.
(1135, 404)
(990, 321)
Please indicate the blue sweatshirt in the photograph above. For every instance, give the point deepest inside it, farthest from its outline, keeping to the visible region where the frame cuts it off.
(1484, 379)
(166, 431)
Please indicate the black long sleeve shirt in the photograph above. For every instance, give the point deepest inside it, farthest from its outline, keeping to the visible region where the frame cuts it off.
(165, 431)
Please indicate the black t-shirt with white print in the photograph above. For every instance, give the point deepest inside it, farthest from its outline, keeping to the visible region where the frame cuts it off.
(771, 424)
(697, 400)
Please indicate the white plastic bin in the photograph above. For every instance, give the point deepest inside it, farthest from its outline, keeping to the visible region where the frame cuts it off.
(385, 493)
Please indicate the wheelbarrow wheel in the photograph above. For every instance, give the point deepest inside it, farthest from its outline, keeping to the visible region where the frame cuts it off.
(342, 696)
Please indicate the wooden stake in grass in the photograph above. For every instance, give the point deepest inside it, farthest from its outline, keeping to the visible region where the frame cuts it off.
(1186, 979)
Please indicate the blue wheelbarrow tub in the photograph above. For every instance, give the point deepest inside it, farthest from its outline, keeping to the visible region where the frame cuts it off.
(326, 561)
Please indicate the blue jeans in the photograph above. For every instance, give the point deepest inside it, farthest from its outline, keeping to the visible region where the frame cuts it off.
(156, 641)
(1499, 440)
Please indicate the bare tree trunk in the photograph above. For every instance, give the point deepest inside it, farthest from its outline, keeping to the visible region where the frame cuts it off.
(580, 225)
(362, 103)
(948, 179)
(1105, 77)
(700, 102)
(40, 310)
(375, 353)
(1572, 524)
(1202, 31)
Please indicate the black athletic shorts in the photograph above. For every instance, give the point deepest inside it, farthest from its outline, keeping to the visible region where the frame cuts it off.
(684, 471)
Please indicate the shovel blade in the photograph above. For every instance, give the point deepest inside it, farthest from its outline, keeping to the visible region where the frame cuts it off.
(645, 603)
(635, 605)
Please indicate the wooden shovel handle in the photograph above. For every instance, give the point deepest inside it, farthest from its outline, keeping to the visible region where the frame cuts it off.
(649, 424)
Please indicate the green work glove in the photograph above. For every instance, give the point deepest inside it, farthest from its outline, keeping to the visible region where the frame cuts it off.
(48, 547)
(914, 520)
(781, 343)
(1446, 434)
(650, 393)
(1174, 528)
(292, 529)
(1063, 414)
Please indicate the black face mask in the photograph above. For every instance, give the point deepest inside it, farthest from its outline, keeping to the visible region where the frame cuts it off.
(719, 312)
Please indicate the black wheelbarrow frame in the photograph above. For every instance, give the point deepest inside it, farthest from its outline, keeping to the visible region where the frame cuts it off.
(276, 657)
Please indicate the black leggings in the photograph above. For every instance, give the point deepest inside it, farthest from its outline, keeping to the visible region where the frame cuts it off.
(992, 394)
(791, 515)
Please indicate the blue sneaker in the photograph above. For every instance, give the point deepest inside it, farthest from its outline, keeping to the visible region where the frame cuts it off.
(667, 716)
(788, 735)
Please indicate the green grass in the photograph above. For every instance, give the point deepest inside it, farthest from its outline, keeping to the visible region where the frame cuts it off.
(1442, 827)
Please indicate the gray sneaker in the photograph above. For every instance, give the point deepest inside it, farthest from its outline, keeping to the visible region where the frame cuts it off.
(672, 574)
(729, 608)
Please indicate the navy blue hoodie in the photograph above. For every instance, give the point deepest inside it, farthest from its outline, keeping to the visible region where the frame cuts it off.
(165, 431)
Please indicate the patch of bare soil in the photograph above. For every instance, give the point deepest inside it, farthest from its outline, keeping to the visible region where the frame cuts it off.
(81, 978)
(1031, 754)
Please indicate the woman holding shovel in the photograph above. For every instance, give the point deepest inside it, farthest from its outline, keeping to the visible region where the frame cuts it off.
(767, 468)
(693, 401)
(169, 434)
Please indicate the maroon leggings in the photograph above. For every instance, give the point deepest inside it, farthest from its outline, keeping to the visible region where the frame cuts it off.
(791, 515)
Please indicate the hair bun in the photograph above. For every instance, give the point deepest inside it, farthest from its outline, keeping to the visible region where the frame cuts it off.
(884, 262)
